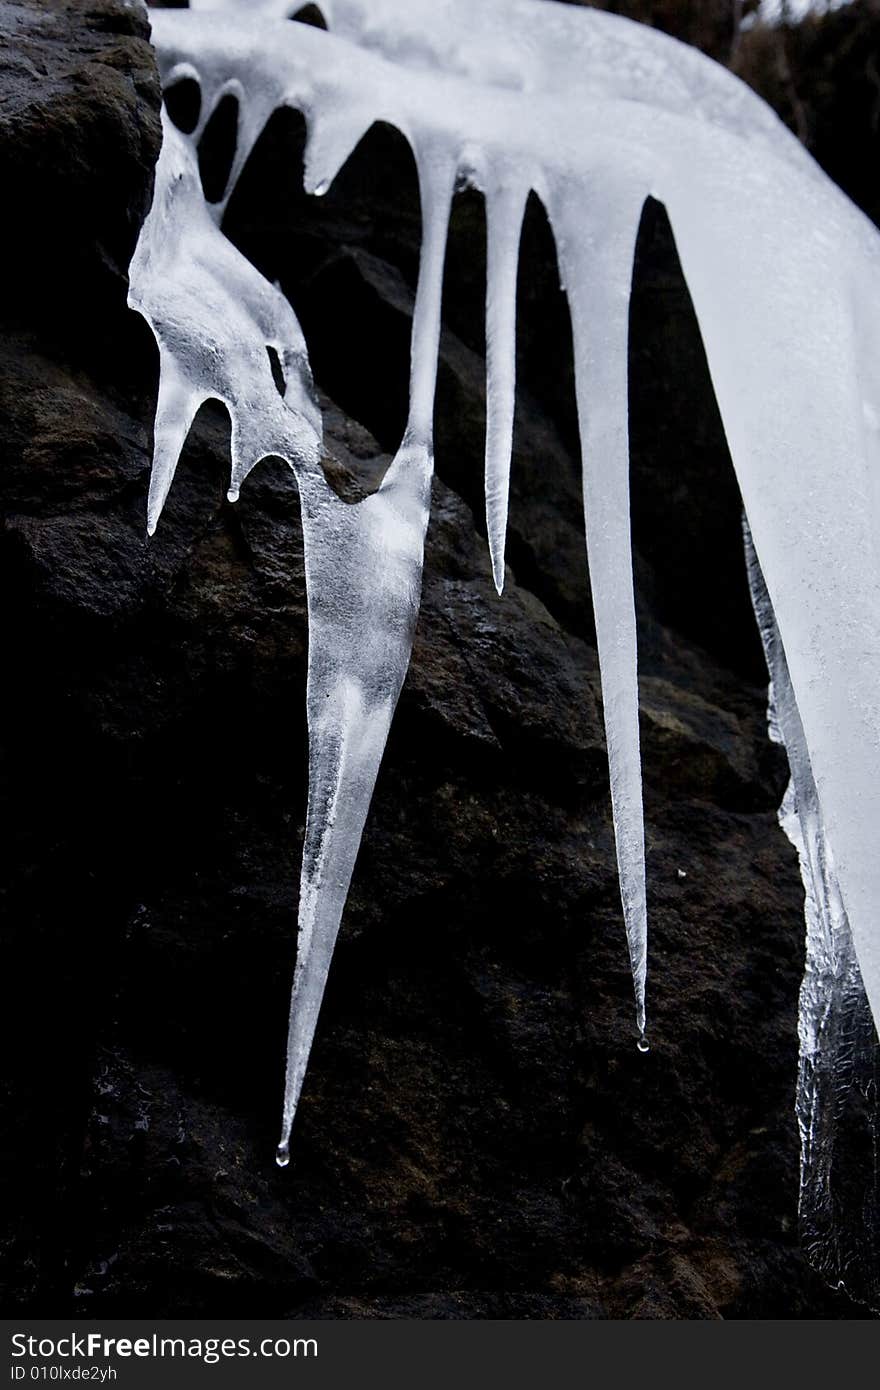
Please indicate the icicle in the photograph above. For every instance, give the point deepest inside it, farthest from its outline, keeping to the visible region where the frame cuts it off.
(176, 407)
(214, 316)
(600, 112)
(596, 233)
(436, 178)
(838, 1100)
(504, 213)
(332, 137)
(360, 637)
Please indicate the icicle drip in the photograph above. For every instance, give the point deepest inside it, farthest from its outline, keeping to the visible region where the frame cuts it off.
(597, 237)
(504, 213)
(360, 637)
(838, 1103)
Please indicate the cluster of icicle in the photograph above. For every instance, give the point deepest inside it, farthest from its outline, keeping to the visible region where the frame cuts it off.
(594, 114)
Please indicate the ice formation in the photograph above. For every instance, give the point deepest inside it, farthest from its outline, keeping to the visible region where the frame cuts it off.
(594, 114)
(839, 1063)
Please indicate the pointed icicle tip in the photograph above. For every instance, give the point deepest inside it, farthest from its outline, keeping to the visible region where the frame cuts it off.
(154, 513)
(641, 1011)
(498, 573)
(330, 142)
(282, 1154)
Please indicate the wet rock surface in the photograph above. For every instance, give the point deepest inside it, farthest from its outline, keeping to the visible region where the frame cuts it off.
(478, 1136)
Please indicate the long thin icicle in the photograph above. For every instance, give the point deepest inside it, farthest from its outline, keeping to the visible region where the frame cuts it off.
(504, 214)
(598, 276)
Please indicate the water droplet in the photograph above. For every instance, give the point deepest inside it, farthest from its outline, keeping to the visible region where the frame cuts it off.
(321, 188)
(282, 1155)
(643, 1045)
(232, 494)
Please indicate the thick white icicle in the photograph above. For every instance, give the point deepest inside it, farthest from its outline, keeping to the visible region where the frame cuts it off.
(597, 236)
(364, 573)
(505, 206)
(360, 637)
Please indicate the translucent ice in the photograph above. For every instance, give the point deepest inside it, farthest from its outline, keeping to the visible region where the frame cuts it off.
(839, 1063)
(594, 114)
(214, 318)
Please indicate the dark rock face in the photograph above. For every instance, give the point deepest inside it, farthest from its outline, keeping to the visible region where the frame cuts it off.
(478, 1136)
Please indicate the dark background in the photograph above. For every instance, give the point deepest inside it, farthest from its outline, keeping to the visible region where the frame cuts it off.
(478, 1136)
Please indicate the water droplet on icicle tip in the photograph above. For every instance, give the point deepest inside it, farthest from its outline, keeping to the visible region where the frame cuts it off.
(232, 494)
(282, 1155)
(643, 1045)
(321, 188)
